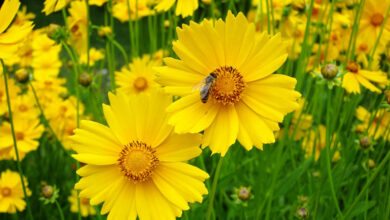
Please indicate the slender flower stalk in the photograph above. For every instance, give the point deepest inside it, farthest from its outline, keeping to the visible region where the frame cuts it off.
(210, 208)
(19, 164)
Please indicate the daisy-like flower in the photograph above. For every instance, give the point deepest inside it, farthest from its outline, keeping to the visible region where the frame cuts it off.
(13, 90)
(138, 9)
(140, 78)
(374, 15)
(54, 5)
(141, 157)
(184, 8)
(27, 131)
(11, 36)
(356, 77)
(94, 56)
(379, 126)
(85, 208)
(11, 192)
(244, 98)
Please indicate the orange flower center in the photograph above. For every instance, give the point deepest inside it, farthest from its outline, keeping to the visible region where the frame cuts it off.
(363, 47)
(19, 136)
(377, 19)
(352, 67)
(5, 192)
(23, 108)
(140, 84)
(84, 201)
(137, 161)
(228, 86)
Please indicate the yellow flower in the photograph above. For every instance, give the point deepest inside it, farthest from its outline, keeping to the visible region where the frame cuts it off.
(97, 2)
(54, 5)
(22, 16)
(314, 143)
(27, 131)
(85, 208)
(141, 157)
(11, 36)
(140, 77)
(356, 77)
(46, 66)
(42, 45)
(94, 55)
(184, 8)
(13, 90)
(78, 25)
(138, 9)
(24, 106)
(245, 96)
(378, 125)
(374, 14)
(49, 89)
(11, 192)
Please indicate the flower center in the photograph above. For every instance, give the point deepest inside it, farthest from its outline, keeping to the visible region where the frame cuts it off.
(84, 201)
(137, 161)
(19, 136)
(5, 192)
(353, 67)
(140, 84)
(23, 108)
(228, 85)
(363, 47)
(377, 19)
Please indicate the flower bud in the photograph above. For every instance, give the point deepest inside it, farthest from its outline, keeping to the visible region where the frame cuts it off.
(22, 75)
(371, 163)
(329, 71)
(85, 79)
(244, 193)
(302, 213)
(47, 191)
(51, 29)
(365, 142)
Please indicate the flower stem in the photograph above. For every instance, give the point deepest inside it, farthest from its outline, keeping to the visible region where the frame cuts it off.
(60, 210)
(213, 189)
(19, 165)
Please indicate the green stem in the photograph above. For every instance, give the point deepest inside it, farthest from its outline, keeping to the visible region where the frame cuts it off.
(60, 210)
(19, 165)
(88, 31)
(210, 208)
(370, 180)
(327, 148)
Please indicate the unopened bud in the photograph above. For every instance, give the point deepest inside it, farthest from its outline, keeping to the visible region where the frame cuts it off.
(371, 163)
(302, 213)
(22, 75)
(51, 29)
(85, 79)
(365, 142)
(329, 71)
(47, 191)
(244, 193)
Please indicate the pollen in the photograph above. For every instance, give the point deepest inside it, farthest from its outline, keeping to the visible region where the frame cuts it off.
(137, 161)
(140, 84)
(5, 192)
(228, 87)
(377, 19)
(352, 67)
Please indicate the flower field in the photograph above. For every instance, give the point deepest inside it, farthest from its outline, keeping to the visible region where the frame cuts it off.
(194, 109)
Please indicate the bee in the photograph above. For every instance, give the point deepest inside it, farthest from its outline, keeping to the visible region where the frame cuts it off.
(205, 86)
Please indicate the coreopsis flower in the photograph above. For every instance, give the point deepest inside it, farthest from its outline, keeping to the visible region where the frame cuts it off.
(27, 133)
(48, 89)
(356, 77)
(139, 78)
(78, 25)
(374, 14)
(11, 35)
(142, 157)
(13, 91)
(376, 127)
(244, 96)
(97, 2)
(46, 66)
(85, 208)
(23, 16)
(11, 192)
(54, 5)
(184, 8)
(94, 56)
(138, 9)
(314, 142)
(24, 106)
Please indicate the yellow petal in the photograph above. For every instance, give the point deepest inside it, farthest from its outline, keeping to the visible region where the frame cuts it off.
(181, 147)
(350, 83)
(7, 13)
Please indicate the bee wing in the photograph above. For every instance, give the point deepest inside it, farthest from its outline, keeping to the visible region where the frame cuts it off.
(198, 86)
(204, 90)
